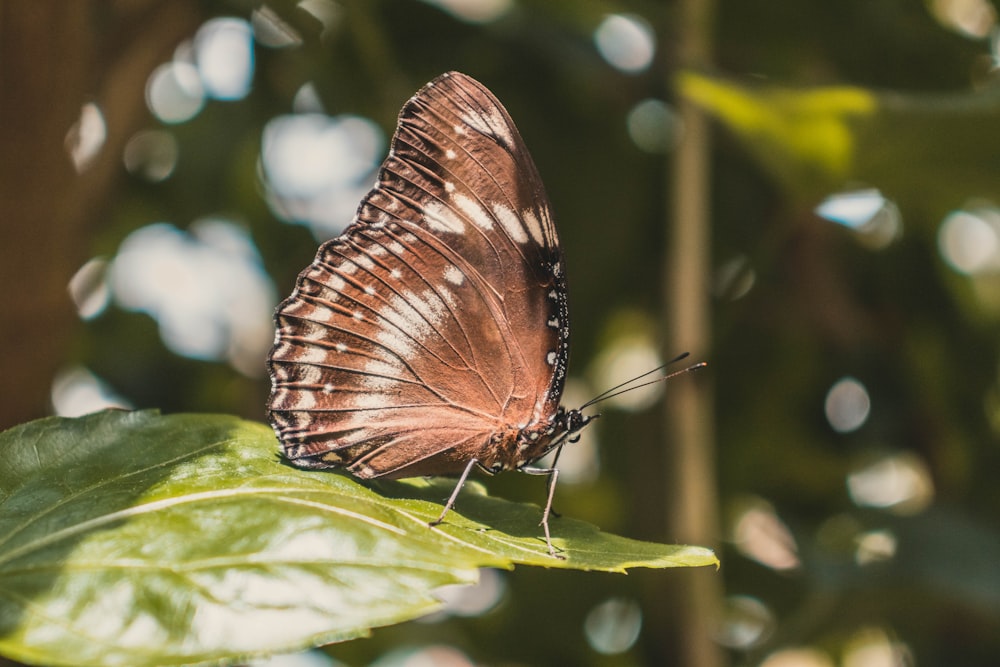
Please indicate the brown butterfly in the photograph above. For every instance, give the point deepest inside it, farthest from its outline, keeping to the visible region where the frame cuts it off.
(432, 336)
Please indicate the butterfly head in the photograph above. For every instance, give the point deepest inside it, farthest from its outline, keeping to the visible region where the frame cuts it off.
(569, 422)
(539, 439)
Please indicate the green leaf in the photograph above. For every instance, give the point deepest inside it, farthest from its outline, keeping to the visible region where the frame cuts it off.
(130, 538)
(804, 137)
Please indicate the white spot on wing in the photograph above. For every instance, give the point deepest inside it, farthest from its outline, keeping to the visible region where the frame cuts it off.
(533, 226)
(304, 400)
(384, 368)
(405, 317)
(430, 306)
(510, 222)
(550, 358)
(450, 154)
(453, 275)
(336, 283)
(311, 355)
(309, 374)
(378, 382)
(492, 124)
(476, 213)
(371, 401)
(310, 311)
(546, 218)
(441, 218)
(417, 315)
(393, 339)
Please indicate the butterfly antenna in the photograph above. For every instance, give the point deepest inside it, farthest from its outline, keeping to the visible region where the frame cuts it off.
(603, 394)
(618, 390)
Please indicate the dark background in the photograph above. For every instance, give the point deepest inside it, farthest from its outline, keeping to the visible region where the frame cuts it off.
(876, 546)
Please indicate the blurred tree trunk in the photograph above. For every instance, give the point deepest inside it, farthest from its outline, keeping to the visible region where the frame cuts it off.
(56, 56)
(692, 511)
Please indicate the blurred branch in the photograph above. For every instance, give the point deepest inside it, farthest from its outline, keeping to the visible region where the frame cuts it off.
(54, 58)
(690, 474)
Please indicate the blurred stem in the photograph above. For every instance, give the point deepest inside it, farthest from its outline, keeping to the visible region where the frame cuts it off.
(692, 510)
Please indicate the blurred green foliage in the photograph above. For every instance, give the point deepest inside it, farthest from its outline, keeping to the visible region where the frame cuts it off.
(902, 102)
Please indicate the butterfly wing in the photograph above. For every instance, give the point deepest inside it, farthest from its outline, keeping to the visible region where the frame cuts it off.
(439, 318)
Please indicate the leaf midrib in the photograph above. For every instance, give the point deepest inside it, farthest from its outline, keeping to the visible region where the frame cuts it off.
(276, 494)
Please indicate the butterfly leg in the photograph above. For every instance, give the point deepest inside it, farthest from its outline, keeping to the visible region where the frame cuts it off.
(555, 460)
(454, 494)
(553, 474)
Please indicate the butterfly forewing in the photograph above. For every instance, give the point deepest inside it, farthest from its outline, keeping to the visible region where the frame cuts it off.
(438, 320)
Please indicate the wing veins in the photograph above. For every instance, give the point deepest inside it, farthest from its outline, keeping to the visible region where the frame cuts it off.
(476, 280)
(522, 165)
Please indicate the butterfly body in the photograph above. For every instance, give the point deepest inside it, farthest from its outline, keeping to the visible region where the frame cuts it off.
(432, 336)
